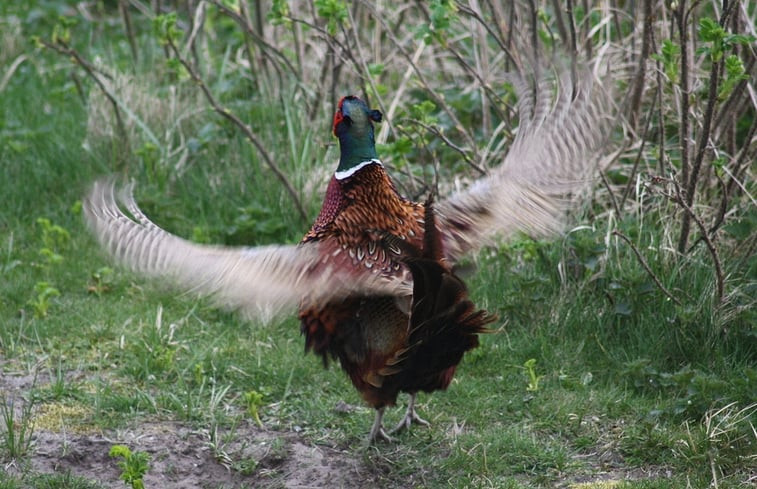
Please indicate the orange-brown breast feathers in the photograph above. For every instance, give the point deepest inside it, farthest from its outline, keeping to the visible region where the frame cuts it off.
(363, 332)
(357, 209)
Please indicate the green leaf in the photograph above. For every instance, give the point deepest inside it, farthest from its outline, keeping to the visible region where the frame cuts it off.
(279, 13)
(119, 451)
(375, 69)
(165, 28)
(334, 11)
(710, 30)
(743, 39)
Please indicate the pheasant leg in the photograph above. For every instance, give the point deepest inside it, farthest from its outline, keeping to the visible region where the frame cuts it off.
(410, 417)
(377, 431)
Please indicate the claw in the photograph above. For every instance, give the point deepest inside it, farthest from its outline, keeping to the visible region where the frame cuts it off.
(410, 417)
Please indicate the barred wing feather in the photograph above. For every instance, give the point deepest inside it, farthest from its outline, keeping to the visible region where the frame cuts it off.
(562, 130)
(261, 281)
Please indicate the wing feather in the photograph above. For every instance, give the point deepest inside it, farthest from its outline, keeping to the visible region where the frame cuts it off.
(560, 139)
(261, 281)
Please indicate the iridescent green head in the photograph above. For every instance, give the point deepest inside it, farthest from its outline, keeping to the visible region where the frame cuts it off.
(353, 125)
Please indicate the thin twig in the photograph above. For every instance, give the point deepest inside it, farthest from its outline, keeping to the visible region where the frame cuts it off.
(719, 277)
(729, 187)
(266, 48)
(635, 167)
(487, 25)
(432, 93)
(613, 201)
(746, 156)
(227, 114)
(62, 47)
(644, 264)
(123, 7)
(436, 132)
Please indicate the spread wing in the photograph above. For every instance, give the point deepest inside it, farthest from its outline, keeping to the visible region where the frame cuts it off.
(261, 281)
(560, 140)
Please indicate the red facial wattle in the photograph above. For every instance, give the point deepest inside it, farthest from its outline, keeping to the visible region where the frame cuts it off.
(339, 116)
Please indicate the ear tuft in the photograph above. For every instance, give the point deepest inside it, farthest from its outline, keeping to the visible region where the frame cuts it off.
(375, 115)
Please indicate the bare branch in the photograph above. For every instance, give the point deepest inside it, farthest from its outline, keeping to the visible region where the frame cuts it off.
(719, 277)
(436, 132)
(644, 264)
(681, 17)
(62, 47)
(227, 114)
(635, 167)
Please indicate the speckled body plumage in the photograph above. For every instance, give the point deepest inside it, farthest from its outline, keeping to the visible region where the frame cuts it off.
(372, 337)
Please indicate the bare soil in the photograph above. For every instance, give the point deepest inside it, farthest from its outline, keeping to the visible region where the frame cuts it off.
(184, 457)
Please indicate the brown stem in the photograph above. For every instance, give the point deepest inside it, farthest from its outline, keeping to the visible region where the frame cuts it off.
(123, 7)
(61, 47)
(436, 132)
(638, 84)
(227, 114)
(681, 22)
(646, 267)
(719, 277)
(660, 115)
(704, 138)
(573, 43)
(534, 34)
(613, 201)
(558, 17)
(638, 155)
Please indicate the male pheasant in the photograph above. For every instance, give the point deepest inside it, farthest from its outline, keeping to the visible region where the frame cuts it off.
(373, 277)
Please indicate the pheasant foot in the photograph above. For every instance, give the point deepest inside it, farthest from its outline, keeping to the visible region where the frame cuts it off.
(377, 430)
(410, 417)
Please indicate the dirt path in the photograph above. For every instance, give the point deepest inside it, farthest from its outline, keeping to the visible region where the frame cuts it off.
(181, 456)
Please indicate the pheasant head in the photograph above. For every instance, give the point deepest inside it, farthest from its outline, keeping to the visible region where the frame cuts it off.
(353, 125)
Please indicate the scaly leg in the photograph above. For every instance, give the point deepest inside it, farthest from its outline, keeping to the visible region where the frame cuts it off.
(410, 417)
(377, 431)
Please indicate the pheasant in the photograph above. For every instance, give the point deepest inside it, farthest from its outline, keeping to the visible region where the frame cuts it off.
(373, 278)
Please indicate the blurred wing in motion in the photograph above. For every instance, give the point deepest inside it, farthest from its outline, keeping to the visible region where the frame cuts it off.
(561, 135)
(261, 281)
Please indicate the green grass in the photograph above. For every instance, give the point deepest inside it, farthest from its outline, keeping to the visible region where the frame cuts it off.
(630, 384)
(47, 481)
